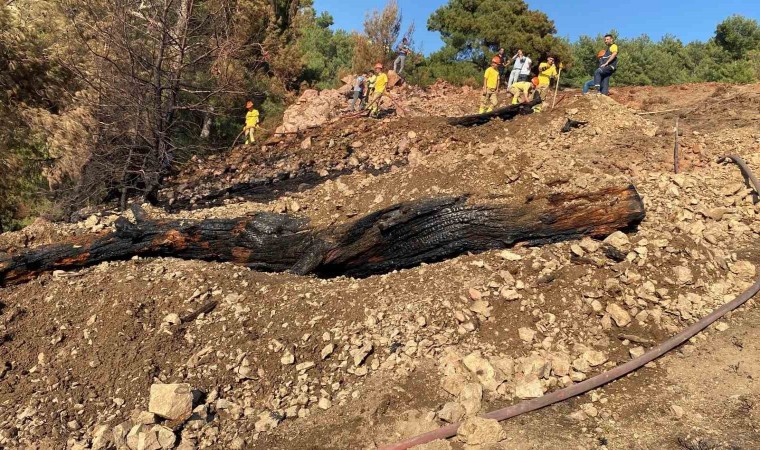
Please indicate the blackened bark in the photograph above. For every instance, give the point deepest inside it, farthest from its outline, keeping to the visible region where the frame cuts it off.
(398, 237)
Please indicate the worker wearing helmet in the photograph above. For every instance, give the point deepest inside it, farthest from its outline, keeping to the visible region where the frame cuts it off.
(251, 122)
(380, 83)
(489, 100)
(521, 90)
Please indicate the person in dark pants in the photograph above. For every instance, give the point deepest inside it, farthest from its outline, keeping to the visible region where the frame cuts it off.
(607, 66)
(590, 83)
(502, 66)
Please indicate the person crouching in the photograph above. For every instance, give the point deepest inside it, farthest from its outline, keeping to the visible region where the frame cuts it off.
(521, 91)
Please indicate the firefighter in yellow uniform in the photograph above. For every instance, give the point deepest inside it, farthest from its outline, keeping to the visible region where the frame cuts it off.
(546, 71)
(521, 90)
(251, 122)
(380, 83)
(489, 100)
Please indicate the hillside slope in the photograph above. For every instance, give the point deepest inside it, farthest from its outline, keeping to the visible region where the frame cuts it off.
(290, 362)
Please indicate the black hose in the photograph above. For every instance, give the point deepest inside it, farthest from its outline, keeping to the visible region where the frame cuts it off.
(746, 172)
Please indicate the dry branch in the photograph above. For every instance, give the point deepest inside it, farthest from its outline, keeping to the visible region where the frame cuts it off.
(398, 237)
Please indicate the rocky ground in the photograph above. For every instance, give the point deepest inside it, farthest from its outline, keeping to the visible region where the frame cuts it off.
(100, 358)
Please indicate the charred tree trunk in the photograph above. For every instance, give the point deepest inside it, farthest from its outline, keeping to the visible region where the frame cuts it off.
(398, 237)
(505, 113)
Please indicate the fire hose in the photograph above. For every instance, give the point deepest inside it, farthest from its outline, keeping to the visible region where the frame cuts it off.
(612, 374)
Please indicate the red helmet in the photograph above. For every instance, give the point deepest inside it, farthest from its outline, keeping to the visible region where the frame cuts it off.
(601, 53)
(379, 66)
(495, 60)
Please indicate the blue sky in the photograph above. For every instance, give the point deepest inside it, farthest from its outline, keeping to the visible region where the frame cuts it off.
(688, 20)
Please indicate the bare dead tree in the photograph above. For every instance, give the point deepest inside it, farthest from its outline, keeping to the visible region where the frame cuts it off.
(156, 71)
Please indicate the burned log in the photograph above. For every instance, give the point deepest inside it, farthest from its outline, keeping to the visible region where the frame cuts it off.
(263, 241)
(397, 237)
(505, 113)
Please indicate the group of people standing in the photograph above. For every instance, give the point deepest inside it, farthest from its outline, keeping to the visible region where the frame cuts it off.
(368, 87)
(521, 82)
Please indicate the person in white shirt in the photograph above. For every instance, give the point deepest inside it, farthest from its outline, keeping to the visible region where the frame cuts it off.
(525, 64)
(520, 62)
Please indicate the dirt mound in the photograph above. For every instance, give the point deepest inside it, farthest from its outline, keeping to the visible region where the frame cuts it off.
(313, 108)
(608, 116)
(284, 361)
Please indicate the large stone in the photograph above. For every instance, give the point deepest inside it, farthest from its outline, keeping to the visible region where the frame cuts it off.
(744, 269)
(510, 256)
(479, 431)
(134, 436)
(267, 421)
(526, 334)
(594, 358)
(529, 387)
(483, 370)
(482, 308)
(361, 353)
(171, 401)
(535, 365)
(313, 108)
(100, 437)
(618, 314)
(166, 437)
(470, 397)
(683, 275)
(618, 240)
(452, 412)
(148, 440)
(560, 364)
(453, 382)
(120, 434)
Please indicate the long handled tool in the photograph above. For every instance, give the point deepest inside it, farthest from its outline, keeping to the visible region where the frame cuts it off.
(236, 139)
(556, 87)
(675, 150)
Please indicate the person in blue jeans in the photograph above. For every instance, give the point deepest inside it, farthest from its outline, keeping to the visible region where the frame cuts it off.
(587, 86)
(607, 66)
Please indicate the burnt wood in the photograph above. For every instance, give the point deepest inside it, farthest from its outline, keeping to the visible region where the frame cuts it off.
(398, 237)
(505, 113)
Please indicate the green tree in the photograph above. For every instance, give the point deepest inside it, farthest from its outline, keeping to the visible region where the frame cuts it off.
(326, 54)
(476, 29)
(738, 36)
